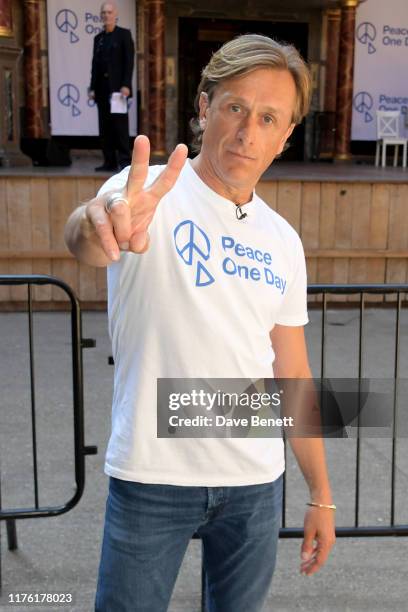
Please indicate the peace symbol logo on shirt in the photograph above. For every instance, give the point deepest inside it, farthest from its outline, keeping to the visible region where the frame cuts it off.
(193, 245)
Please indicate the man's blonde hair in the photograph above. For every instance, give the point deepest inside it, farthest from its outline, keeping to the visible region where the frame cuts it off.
(244, 54)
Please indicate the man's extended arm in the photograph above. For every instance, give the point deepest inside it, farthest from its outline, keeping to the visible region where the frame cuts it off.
(96, 237)
(291, 361)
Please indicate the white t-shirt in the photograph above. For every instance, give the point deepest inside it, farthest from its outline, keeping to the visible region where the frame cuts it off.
(200, 303)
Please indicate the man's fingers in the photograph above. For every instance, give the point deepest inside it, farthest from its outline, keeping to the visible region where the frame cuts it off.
(139, 242)
(166, 180)
(101, 222)
(121, 222)
(307, 547)
(139, 166)
(317, 560)
(322, 555)
(130, 224)
(313, 560)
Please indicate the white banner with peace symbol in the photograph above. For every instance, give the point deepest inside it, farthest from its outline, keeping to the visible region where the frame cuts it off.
(72, 27)
(380, 65)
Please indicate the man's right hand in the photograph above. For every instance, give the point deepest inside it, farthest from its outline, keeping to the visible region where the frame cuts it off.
(126, 227)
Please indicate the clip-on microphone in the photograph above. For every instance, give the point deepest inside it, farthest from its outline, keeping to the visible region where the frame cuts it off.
(238, 212)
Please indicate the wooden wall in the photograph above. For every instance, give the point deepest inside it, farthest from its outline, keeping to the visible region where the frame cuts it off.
(351, 232)
(33, 213)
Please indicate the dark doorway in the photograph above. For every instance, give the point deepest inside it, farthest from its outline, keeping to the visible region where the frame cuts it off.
(199, 38)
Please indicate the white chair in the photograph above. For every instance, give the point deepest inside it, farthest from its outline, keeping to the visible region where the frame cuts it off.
(388, 134)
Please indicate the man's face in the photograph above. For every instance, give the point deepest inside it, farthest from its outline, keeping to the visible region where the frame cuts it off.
(247, 124)
(109, 14)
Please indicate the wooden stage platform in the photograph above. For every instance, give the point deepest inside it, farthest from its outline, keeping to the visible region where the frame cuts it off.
(353, 221)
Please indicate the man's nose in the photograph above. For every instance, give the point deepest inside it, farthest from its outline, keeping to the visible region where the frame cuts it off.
(247, 130)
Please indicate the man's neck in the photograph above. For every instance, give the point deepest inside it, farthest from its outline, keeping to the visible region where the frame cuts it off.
(109, 29)
(207, 174)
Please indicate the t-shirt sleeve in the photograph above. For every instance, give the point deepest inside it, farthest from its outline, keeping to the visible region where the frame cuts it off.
(293, 310)
(117, 182)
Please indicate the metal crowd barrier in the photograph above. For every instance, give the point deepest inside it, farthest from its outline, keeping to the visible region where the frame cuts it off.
(80, 449)
(78, 343)
(381, 289)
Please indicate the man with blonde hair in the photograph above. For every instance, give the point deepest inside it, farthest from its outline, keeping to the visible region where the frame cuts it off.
(204, 280)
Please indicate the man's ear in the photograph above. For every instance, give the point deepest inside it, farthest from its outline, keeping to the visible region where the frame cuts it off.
(285, 137)
(203, 104)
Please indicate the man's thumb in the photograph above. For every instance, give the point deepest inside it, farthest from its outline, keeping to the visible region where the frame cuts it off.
(306, 549)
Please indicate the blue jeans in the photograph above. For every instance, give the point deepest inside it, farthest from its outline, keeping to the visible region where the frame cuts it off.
(147, 531)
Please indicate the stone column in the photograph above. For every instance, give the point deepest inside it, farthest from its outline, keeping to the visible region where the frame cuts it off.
(143, 65)
(327, 122)
(344, 102)
(32, 69)
(157, 91)
(332, 59)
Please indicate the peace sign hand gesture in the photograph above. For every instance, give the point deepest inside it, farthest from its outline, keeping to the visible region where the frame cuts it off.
(126, 225)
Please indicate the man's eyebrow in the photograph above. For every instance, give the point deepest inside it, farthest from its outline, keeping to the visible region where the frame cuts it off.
(232, 98)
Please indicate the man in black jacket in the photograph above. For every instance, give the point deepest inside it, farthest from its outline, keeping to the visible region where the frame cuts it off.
(112, 68)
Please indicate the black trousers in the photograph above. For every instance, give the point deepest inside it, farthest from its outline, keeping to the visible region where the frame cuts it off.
(114, 134)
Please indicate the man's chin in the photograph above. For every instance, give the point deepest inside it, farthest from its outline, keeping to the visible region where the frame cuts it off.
(239, 174)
